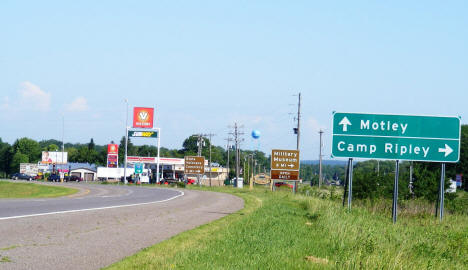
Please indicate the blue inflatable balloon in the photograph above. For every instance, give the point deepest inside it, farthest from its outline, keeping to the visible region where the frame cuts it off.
(255, 134)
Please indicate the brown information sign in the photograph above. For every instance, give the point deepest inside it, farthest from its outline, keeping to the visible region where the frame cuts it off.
(286, 160)
(194, 165)
(285, 165)
(285, 175)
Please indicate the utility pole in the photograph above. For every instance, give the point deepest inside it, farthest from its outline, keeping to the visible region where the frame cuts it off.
(210, 135)
(237, 142)
(126, 143)
(200, 145)
(63, 147)
(228, 149)
(251, 170)
(320, 159)
(298, 131)
(63, 136)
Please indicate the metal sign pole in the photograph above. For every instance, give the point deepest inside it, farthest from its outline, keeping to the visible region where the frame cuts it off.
(125, 161)
(395, 192)
(350, 183)
(437, 202)
(442, 192)
(346, 183)
(157, 163)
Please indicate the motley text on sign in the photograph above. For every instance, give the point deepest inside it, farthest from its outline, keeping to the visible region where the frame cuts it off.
(398, 137)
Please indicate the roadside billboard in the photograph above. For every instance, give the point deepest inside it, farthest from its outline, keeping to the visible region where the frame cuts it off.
(143, 117)
(54, 157)
(29, 168)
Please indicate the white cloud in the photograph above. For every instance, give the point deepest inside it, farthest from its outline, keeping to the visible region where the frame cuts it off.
(5, 105)
(32, 96)
(80, 104)
(313, 125)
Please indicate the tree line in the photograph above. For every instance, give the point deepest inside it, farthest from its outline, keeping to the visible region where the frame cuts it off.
(26, 150)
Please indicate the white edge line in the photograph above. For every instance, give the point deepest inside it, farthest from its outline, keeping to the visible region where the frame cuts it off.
(92, 209)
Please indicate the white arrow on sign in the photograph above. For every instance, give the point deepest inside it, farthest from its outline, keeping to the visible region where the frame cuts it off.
(447, 150)
(291, 165)
(345, 122)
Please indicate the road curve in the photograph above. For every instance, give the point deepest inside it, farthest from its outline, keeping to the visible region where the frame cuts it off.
(101, 224)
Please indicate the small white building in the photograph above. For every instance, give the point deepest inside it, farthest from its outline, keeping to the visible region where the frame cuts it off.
(87, 174)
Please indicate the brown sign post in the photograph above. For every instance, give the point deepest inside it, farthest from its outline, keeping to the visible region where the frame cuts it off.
(194, 165)
(284, 165)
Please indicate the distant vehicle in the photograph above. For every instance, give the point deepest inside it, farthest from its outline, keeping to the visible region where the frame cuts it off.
(283, 184)
(38, 177)
(104, 173)
(73, 178)
(167, 181)
(54, 178)
(22, 176)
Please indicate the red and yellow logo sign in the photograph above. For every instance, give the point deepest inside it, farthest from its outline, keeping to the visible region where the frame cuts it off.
(112, 149)
(143, 117)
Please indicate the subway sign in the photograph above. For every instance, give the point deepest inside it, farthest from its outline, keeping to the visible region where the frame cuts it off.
(143, 134)
(396, 137)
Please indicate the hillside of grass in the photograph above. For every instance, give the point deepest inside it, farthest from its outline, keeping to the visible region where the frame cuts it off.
(31, 190)
(284, 231)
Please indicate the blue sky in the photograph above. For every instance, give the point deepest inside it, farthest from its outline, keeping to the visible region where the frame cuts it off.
(205, 64)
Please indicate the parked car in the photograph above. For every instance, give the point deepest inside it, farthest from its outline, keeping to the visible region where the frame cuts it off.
(73, 178)
(22, 176)
(38, 177)
(167, 181)
(54, 178)
(283, 184)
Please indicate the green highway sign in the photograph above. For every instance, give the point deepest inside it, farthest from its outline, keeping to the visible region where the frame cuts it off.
(397, 137)
(139, 168)
(143, 134)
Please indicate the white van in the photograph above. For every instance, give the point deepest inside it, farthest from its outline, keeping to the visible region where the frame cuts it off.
(144, 177)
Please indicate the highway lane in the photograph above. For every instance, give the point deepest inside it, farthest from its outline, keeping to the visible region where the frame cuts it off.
(97, 238)
(92, 196)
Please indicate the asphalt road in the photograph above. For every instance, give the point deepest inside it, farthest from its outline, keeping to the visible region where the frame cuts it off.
(100, 224)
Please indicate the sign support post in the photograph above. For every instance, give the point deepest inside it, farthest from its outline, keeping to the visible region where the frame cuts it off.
(345, 184)
(157, 163)
(350, 183)
(395, 192)
(442, 192)
(125, 161)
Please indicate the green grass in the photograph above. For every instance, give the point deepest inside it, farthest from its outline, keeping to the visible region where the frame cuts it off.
(282, 231)
(4, 259)
(31, 190)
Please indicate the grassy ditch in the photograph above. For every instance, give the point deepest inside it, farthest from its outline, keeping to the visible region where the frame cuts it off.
(31, 190)
(282, 231)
